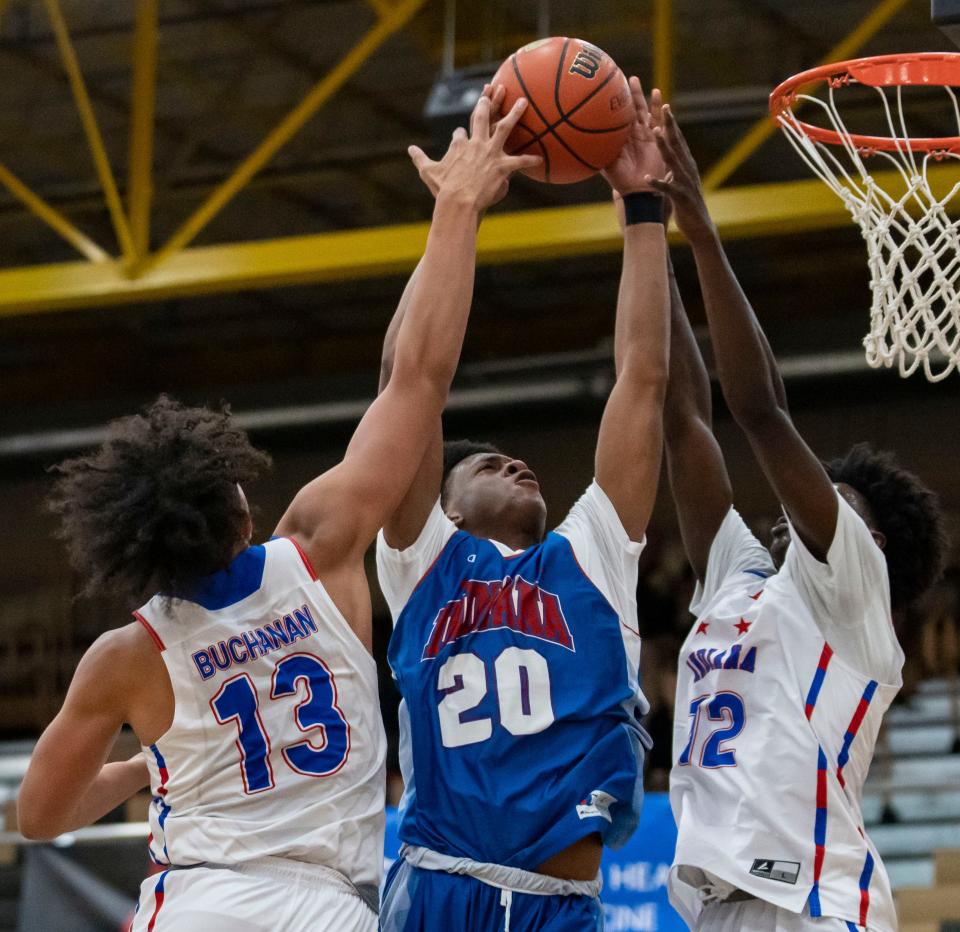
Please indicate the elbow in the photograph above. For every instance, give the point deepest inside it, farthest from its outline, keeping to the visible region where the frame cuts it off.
(32, 826)
(752, 404)
(430, 384)
(754, 414)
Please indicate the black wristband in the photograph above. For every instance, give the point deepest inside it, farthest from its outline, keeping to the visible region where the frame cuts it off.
(643, 207)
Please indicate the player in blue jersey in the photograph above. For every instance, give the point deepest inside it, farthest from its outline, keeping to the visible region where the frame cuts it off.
(248, 678)
(516, 651)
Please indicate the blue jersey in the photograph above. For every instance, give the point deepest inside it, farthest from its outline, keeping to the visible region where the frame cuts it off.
(519, 677)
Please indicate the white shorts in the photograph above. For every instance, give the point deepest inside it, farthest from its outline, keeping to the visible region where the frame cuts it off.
(258, 896)
(761, 916)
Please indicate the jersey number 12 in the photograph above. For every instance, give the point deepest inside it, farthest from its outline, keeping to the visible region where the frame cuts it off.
(724, 707)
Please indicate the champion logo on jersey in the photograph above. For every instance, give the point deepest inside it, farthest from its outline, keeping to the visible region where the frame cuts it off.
(488, 605)
(597, 804)
(784, 871)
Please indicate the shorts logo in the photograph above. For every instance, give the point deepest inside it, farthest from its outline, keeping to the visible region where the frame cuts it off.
(784, 871)
(597, 803)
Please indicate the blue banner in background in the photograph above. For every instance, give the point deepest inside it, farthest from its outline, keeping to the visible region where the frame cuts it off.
(634, 878)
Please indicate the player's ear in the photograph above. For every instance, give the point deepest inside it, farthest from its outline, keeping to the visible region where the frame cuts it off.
(880, 538)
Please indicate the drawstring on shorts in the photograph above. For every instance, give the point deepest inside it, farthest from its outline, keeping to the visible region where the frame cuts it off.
(506, 899)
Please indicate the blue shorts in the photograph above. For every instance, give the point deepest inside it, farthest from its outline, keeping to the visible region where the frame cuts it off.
(420, 900)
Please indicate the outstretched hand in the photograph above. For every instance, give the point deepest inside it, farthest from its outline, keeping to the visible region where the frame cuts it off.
(475, 167)
(639, 161)
(682, 185)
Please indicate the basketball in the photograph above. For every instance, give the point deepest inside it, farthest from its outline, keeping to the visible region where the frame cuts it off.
(579, 107)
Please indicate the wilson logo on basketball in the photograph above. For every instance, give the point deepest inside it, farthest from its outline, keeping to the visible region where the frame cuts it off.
(587, 62)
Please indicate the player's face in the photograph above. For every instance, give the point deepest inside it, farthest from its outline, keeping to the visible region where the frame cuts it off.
(491, 490)
(780, 532)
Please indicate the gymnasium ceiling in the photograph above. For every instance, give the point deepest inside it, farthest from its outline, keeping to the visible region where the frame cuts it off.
(230, 70)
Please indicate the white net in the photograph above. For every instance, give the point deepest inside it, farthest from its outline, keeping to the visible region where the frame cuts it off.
(912, 244)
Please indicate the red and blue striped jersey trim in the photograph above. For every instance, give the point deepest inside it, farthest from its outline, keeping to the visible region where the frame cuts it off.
(158, 896)
(854, 727)
(818, 678)
(865, 876)
(161, 794)
(819, 833)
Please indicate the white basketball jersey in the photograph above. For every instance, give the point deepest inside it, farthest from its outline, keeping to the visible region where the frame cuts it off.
(783, 682)
(277, 745)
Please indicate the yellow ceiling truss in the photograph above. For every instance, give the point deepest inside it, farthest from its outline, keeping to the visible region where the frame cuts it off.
(179, 269)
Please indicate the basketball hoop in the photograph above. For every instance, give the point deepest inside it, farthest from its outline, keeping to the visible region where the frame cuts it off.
(913, 246)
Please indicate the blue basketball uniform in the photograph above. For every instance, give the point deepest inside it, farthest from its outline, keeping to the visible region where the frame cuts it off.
(519, 672)
(421, 899)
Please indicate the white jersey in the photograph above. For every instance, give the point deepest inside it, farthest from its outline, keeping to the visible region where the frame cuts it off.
(782, 685)
(277, 746)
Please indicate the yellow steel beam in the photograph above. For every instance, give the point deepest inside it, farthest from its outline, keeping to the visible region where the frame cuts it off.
(140, 185)
(51, 216)
(92, 130)
(764, 128)
(380, 7)
(752, 210)
(322, 91)
(663, 47)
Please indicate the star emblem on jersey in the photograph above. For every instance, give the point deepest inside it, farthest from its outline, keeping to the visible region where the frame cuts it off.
(743, 626)
(702, 627)
(597, 804)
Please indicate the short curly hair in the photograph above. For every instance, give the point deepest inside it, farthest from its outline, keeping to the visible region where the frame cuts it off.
(156, 507)
(906, 512)
(454, 452)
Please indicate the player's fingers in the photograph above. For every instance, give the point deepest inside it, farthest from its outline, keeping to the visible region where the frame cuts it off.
(480, 119)
(487, 90)
(667, 152)
(498, 95)
(419, 158)
(639, 101)
(674, 136)
(518, 163)
(661, 185)
(459, 134)
(656, 107)
(506, 125)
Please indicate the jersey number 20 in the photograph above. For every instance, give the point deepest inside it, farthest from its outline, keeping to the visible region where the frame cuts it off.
(523, 693)
(237, 701)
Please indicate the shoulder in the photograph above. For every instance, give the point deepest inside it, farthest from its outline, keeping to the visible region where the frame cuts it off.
(116, 663)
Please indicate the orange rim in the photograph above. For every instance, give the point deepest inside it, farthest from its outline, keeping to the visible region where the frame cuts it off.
(918, 69)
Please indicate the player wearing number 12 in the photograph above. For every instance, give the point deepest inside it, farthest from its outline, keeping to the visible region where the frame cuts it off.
(248, 679)
(516, 652)
(793, 659)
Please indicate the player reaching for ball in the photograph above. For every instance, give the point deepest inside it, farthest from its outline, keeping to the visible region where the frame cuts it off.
(516, 652)
(248, 678)
(792, 661)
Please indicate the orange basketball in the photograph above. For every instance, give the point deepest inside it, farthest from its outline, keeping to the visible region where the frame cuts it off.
(579, 108)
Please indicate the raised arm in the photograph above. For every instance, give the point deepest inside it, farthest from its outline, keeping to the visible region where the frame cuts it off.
(748, 373)
(630, 444)
(405, 524)
(336, 516)
(698, 475)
